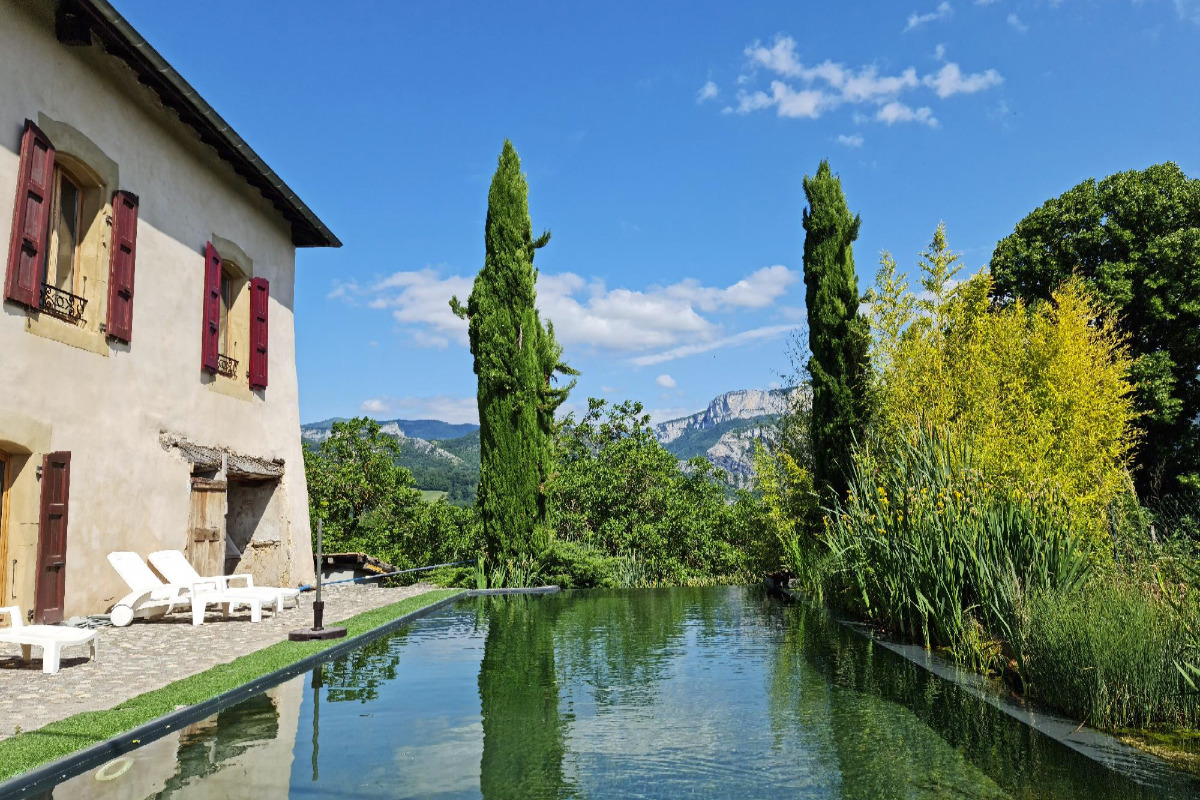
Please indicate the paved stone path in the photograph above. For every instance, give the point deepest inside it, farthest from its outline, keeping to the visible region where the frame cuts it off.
(149, 655)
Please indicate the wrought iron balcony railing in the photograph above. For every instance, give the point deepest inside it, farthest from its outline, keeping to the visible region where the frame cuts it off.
(62, 303)
(226, 366)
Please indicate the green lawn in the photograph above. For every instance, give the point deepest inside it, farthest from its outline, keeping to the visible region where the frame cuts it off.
(432, 495)
(28, 750)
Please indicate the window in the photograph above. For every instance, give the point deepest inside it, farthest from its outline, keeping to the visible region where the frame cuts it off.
(62, 265)
(73, 243)
(230, 330)
(228, 295)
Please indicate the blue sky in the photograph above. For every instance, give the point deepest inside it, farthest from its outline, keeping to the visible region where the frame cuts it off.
(665, 146)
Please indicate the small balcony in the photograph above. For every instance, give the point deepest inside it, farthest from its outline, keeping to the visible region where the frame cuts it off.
(226, 366)
(62, 303)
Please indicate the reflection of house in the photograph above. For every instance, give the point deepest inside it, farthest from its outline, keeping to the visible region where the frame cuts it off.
(149, 395)
(244, 751)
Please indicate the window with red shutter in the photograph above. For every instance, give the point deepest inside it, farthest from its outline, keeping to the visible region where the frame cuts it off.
(121, 263)
(31, 219)
(260, 294)
(211, 335)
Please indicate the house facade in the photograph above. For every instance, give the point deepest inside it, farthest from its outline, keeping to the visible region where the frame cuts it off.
(148, 393)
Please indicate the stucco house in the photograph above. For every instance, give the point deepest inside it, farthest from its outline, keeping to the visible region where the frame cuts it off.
(148, 395)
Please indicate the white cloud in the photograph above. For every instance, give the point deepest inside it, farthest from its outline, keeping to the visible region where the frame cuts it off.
(745, 337)
(898, 112)
(708, 91)
(799, 91)
(585, 312)
(985, 2)
(665, 381)
(916, 20)
(950, 80)
(444, 407)
(852, 140)
(375, 405)
(1015, 23)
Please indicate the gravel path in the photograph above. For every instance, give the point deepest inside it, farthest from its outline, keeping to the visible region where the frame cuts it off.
(150, 655)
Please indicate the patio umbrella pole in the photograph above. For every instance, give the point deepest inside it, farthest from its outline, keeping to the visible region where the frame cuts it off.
(318, 630)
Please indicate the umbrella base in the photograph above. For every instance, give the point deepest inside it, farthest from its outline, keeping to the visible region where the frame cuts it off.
(309, 634)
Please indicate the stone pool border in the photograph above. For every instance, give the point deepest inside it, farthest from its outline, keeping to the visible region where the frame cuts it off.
(1102, 748)
(44, 776)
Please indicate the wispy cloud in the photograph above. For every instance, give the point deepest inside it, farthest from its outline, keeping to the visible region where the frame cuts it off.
(586, 313)
(950, 80)
(683, 351)
(665, 381)
(916, 20)
(898, 112)
(708, 91)
(444, 407)
(1015, 23)
(851, 140)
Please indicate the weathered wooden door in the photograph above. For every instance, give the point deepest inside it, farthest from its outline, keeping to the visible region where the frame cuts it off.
(51, 585)
(206, 526)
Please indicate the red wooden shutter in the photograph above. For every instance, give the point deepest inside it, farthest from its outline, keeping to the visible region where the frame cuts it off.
(120, 268)
(31, 219)
(260, 293)
(212, 309)
(51, 584)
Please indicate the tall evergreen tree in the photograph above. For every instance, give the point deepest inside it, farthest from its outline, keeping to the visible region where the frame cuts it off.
(515, 361)
(837, 334)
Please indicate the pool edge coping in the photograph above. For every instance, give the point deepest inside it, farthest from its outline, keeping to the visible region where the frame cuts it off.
(1102, 748)
(45, 776)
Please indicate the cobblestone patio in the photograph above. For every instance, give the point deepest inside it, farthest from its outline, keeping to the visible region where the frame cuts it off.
(149, 655)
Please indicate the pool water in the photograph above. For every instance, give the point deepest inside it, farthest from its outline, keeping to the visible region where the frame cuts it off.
(674, 693)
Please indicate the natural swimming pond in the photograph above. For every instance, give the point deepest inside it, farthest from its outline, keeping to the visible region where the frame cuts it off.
(697, 693)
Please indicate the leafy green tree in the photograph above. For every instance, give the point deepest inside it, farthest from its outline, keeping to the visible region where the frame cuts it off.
(1134, 237)
(837, 334)
(515, 361)
(618, 492)
(371, 505)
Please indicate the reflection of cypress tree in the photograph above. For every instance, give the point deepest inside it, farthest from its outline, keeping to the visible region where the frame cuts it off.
(522, 731)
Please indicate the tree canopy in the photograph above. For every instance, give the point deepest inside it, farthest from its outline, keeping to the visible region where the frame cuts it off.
(1134, 239)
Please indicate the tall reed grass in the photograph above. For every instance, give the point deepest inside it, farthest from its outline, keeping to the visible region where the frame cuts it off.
(925, 547)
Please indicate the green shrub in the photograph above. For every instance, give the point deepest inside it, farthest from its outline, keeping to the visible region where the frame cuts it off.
(924, 546)
(573, 565)
(1108, 655)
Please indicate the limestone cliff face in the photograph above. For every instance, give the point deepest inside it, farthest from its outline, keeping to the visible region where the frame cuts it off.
(734, 453)
(742, 404)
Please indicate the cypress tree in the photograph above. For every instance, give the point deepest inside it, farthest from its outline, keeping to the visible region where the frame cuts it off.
(515, 359)
(837, 333)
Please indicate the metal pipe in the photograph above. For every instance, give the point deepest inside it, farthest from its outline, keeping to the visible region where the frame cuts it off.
(309, 588)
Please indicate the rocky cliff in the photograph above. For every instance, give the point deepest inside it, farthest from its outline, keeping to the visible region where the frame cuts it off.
(743, 404)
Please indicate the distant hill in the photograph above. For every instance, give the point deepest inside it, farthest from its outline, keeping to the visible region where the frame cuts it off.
(444, 457)
(726, 430)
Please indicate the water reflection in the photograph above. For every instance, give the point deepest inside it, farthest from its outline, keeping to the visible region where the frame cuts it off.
(244, 751)
(698, 693)
(518, 690)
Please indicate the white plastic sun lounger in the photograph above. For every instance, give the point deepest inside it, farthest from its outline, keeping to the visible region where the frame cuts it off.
(150, 597)
(51, 638)
(175, 567)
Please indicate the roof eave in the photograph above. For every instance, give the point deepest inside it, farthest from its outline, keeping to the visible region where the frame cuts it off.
(120, 39)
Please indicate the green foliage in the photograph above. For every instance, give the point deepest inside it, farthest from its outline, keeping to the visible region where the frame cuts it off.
(1134, 239)
(370, 504)
(1108, 655)
(837, 333)
(790, 509)
(515, 359)
(618, 492)
(1039, 394)
(926, 546)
